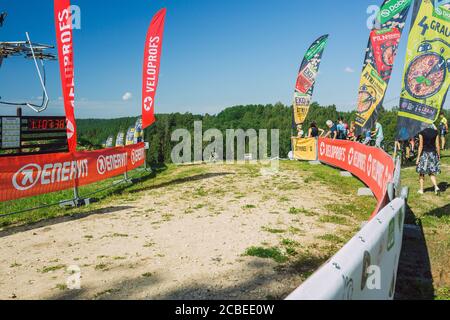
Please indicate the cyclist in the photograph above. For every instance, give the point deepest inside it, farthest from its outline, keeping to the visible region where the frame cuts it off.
(378, 134)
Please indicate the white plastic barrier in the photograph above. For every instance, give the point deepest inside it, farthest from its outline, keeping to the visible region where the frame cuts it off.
(366, 267)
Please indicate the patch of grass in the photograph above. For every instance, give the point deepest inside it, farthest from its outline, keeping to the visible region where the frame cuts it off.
(53, 268)
(119, 258)
(101, 267)
(15, 265)
(331, 238)
(289, 243)
(106, 292)
(167, 217)
(291, 251)
(443, 293)
(294, 230)
(147, 275)
(149, 244)
(294, 210)
(272, 230)
(61, 286)
(200, 192)
(249, 206)
(115, 235)
(267, 253)
(283, 199)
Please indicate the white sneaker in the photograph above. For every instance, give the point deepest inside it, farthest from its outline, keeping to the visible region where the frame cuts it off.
(437, 191)
(420, 192)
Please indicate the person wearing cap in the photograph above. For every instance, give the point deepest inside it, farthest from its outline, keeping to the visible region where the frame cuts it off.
(333, 133)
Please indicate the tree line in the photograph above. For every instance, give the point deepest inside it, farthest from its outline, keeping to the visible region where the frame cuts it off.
(94, 132)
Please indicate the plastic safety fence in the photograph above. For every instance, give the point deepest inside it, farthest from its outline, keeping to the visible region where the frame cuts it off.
(27, 176)
(366, 268)
(372, 165)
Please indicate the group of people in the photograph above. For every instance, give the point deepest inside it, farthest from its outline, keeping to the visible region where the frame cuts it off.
(342, 131)
(430, 143)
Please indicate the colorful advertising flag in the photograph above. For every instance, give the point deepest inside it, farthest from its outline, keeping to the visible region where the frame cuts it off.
(109, 142)
(427, 64)
(138, 132)
(130, 136)
(379, 61)
(64, 39)
(152, 59)
(120, 140)
(306, 78)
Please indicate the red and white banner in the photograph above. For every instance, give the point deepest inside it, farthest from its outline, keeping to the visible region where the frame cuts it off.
(27, 176)
(152, 60)
(372, 165)
(64, 39)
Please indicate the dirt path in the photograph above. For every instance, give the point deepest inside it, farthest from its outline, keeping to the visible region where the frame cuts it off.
(183, 238)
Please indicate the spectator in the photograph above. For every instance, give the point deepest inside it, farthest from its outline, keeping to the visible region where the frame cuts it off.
(352, 132)
(368, 138)
(378, 134)
(300, 131)
(314, 131)
(428, 158)
(333, 133)
(443, 129)
(342, 131)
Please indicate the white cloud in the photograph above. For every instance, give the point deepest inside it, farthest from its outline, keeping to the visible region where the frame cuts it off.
(349, 70)
(127, 96)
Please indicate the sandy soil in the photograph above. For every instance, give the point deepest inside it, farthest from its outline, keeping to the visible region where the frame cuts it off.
(184, 238)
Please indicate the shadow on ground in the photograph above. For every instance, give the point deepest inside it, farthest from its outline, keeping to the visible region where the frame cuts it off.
(262, 285)
(183, 180)
(415, 280)
(53, 221)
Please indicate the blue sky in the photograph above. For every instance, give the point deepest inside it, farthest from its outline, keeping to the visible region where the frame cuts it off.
(216, 54)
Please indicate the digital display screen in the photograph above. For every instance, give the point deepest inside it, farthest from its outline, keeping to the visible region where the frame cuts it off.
(44, 124)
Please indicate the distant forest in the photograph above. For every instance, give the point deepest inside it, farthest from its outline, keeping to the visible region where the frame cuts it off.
(94, 132)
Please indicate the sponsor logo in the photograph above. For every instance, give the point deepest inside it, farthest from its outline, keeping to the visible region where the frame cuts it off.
(351, 153)
(70, 129)
(27, 177)
(32, 174)
(112, 162)
(148, 104)
(322, 148)
(390, 10)
(369, 165)
(137, 155)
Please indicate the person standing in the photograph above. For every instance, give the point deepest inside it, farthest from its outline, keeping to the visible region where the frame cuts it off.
(378, 134)
(333, 133)
(341, 128)
(300, 132)
(443, 129)
(314, 131)
(351, 132)
(428, 158)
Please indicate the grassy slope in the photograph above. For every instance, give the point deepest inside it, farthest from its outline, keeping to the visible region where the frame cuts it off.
(433, 212)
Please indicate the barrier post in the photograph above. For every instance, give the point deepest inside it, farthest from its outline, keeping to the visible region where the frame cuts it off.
(76, 201)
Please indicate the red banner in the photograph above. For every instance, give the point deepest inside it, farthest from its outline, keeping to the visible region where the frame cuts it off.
(372, 165)
(28, 176)
(64, 39)
(152, 59)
